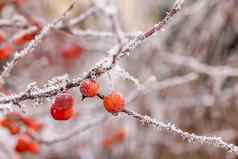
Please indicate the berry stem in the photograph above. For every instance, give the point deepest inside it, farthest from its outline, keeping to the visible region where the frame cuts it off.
(100, 96)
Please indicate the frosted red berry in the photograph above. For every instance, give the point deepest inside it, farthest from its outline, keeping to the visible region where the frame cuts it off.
(22, 144)
(89, 88)
(26, 37)
(62, 107)
(71, 51)
(5, 51)
(25, 144)
(114, 102)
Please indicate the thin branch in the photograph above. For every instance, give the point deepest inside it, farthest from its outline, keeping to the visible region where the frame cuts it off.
(191, 63)
(71, 134)
(191, 138)
(13, 23)
(91, 11)
(159, 85)
(156, 28)
(112, 13)
(100, 34)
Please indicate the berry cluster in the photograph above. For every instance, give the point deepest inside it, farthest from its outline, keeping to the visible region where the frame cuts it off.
(62, 107)
(25, 144)
(22, 126)
(14, 122)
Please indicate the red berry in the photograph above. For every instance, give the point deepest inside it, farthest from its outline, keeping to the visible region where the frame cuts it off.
(5, 51)
(33, 148)
(119, 136)
(116, 138)
(89, 88)
(72, 51)
(11, 125)
(62, 107)
(22, 144)
(2, 37)
(26, 144)
(32, 124)
(14, 129)
(114, 102)
(107, 143)
(26, 37)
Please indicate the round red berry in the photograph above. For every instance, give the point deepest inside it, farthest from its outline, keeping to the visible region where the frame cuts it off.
(89, 88)
(22, 144)
(5, 51)
(32, 124)
(114, 102)
(119, 136)
(71, 51)
(107, 143)
(62, 107)
(26, 144)
(33, 148)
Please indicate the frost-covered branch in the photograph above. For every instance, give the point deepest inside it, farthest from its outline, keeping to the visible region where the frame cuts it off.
(156, 28)
(79, 19)
(106, 64)
(158, 85)
(191, 138)
(100, 34)
(15, 23)
(193, 64)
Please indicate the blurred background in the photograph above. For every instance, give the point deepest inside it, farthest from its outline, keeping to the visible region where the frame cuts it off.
(199, 40)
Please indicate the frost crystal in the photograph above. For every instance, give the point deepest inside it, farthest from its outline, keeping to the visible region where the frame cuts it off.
(126, 76)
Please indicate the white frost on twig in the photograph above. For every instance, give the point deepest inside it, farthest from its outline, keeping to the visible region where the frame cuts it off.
(190, 137)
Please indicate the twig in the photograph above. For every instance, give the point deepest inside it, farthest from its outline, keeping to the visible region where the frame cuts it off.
(156, 28)
(67, 136)
(191, 138)
(158, 85)
(12, 23)
(82, 17)
(100, 34)
(191, 63)
(112, 13)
